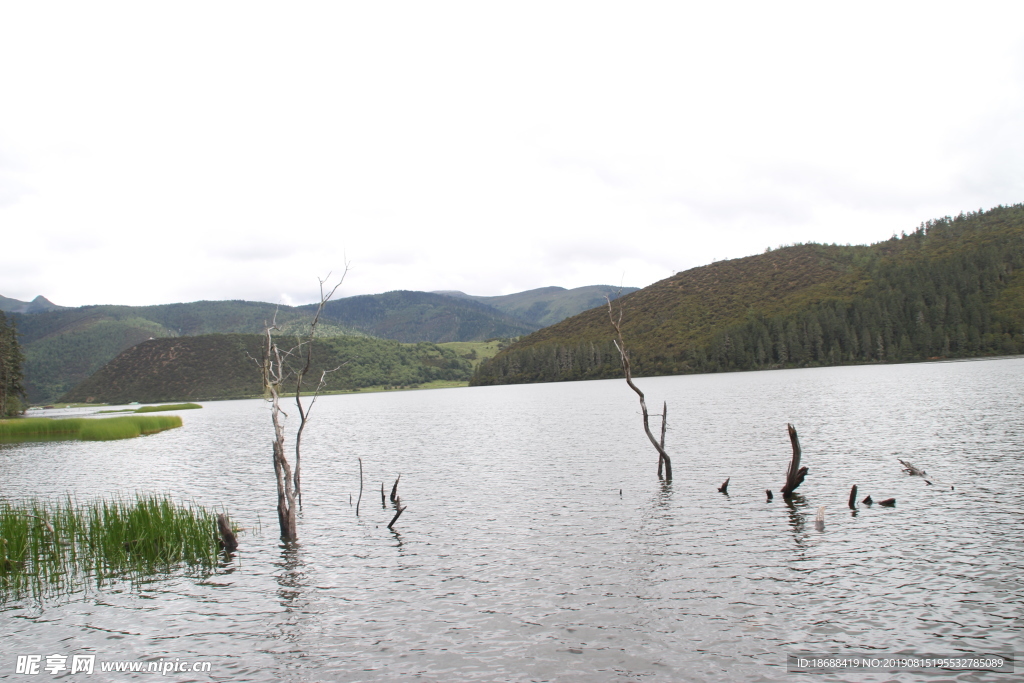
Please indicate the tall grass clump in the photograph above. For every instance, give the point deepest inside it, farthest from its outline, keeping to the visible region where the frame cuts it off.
(170, 406)
(99, 429)
(51, 547)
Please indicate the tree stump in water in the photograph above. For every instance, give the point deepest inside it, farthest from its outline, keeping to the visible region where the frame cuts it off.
(228, 541)
(795, 475)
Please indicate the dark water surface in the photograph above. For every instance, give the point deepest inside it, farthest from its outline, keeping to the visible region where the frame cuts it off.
(519, 560)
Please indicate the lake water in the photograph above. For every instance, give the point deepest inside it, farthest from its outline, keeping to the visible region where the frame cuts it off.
(539, 545)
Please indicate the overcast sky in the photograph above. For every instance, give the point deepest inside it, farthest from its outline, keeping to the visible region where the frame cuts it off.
(162, 152)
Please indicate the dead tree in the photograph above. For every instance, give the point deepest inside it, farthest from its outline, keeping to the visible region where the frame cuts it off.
(278, 372)
(795, 475)
(663, 460)
(396, 499)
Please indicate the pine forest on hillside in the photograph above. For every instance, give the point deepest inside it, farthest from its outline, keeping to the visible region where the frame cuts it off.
(221, 366)
(953, 288)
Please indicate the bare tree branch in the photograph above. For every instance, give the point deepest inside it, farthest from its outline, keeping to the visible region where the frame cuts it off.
(663, 457)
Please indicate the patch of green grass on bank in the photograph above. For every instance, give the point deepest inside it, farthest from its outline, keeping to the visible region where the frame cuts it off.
(474, 352)
(49, 547)
(170, 406)
(82, 429)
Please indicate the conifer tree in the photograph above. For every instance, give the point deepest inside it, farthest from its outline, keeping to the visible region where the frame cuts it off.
(12, 389)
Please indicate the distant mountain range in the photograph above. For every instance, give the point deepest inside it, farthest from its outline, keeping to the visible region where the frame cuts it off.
(953, 288)
(64, 346)
(548, 305)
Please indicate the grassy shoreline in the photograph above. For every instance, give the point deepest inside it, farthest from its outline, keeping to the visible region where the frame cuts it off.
(84, 429)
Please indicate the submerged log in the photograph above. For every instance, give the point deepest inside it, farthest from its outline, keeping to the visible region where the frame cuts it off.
(910, 469)
(228, 541)
(868, 501)
(795, 475)
(888, 502)
(853, 497)
(724, 488)
(770, 496)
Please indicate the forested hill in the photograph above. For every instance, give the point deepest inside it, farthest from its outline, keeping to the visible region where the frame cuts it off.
(220, 366)
(953, 288)
(63, 347)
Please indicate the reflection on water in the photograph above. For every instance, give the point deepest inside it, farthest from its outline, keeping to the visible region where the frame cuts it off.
(538, 543)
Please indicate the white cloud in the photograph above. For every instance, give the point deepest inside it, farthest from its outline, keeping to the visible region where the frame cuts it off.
(239, 151)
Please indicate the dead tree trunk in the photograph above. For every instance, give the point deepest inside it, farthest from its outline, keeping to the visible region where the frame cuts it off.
(277, 371)
(795, 475)
(399, 508)
(664, 426)
(663, 459)
(228, 541)
(301, 374)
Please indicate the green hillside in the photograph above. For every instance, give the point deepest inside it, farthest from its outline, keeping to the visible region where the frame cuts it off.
(64, 347)
(220, 366)
(952, 288)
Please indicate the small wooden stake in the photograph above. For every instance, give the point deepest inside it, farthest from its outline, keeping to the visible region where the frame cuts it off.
(724, 488)
(868, 501)
(770, 496)
(853, 497)
(383, 498)
(360, 485)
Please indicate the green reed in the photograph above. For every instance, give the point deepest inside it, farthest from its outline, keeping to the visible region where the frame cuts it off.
(98, 429)
(51, 547)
